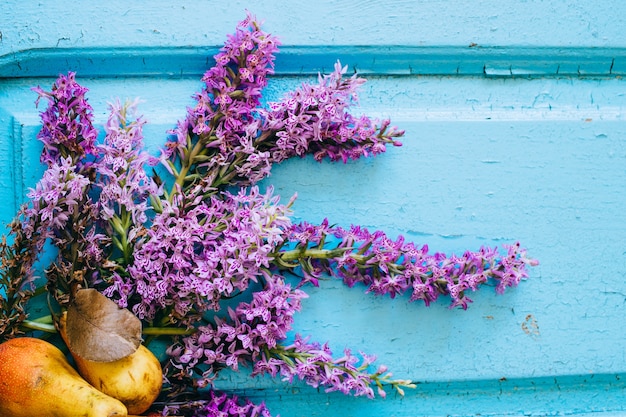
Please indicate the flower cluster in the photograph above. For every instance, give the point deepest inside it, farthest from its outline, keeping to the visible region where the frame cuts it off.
(193, 257)
(62, 211)
(126, 189)
(393, 267)
(202, 263)
(251, 328)
(61, 208)
(58, 196)
(218, 405)
(253, 335)
(67, 128)
(314, 120)
(223, 126)
(314, 364)
(229, 139)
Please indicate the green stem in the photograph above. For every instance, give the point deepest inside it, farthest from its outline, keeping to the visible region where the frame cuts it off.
(296, 254)
(167, 331)
(34, 325)
(185, 167)
(45, 324)
(44, 319)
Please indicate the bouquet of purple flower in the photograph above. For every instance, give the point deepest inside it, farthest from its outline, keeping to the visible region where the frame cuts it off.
(188, 243)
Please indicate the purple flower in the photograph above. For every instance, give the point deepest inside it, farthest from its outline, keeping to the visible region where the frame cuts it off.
(254, 333)
(123, 179)
(62, 207)
(395, 267)
(59, 195)
(215, 404)
(62, 211)
(67, 128)
(125, 189)
(228, 139)
(193, 257)
(251, 328)
(222, 127)
(314, 364)
(315, 120)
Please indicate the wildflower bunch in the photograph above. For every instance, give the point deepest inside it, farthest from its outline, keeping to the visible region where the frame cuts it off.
(199, 253)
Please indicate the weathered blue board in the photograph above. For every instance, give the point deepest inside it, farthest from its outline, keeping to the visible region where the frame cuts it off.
(515, 118)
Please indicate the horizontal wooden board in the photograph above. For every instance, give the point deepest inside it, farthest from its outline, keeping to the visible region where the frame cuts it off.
(177, 62)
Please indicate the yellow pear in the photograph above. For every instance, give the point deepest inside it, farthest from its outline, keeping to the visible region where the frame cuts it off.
(37, 380)
(135, 380)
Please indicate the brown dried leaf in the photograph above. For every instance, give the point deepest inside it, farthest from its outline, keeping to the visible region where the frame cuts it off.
(99, 330)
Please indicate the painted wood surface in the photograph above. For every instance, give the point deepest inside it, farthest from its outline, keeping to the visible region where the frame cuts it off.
(493, 153)
(324, 22)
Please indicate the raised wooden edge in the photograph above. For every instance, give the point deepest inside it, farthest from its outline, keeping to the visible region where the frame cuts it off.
(580, 395)
(306, 60)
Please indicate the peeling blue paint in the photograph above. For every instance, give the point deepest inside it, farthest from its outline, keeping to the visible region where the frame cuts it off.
(516, 130)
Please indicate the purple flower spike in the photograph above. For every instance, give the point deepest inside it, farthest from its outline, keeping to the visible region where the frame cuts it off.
(125, 187)
(67, 128)
(395, 267)
(222, 127)
(218, 405)
(315, 120)
(249, 329)
(315, 365)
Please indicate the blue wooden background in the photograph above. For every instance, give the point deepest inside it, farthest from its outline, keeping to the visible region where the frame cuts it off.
(515, 130)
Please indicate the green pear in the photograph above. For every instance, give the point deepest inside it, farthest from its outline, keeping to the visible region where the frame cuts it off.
(37, 380)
